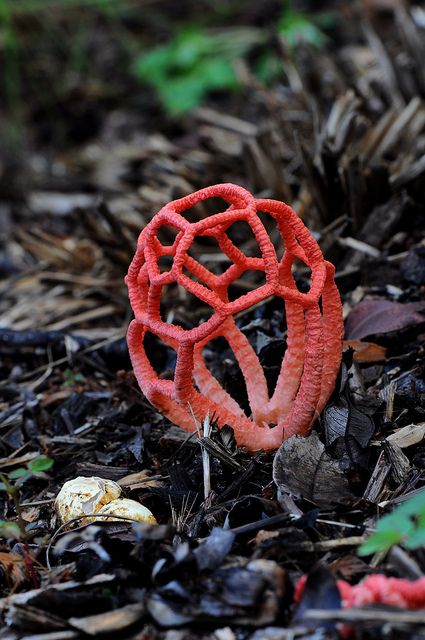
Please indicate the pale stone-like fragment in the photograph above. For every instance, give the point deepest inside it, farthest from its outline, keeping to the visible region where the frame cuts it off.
(83, 496)
(127, 508)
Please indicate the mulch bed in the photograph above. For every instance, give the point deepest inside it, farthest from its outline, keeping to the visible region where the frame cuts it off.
(342, 139)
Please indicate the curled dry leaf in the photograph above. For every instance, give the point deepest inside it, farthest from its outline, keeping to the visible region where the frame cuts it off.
(375, 317)
(12, 571)
(303, 468)
(346, 422)
(141, 480)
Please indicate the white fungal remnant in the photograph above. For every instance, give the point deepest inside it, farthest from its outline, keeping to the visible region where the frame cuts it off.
(128, 509)
(86, 496)
(82, 496)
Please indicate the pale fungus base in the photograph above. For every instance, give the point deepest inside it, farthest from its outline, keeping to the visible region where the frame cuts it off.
(87, 496)
(128, 509)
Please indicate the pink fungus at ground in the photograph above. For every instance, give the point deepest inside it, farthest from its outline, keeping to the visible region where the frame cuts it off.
(313, 319)
(377, 589)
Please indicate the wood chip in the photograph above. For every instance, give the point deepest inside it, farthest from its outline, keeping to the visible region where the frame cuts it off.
(408, 436)
(377, 480)
(109, 621)
(400, 464)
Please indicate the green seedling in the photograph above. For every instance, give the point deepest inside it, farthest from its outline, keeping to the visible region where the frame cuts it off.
(404, 526)
(10, 483)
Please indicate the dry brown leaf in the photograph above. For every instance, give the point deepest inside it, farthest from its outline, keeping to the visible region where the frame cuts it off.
(140, 480)
(109, 621)
(263, 535)
(13, 462)
(31, 514)
(303, 468)
(13, 569)
(365, 351)
(375, 317)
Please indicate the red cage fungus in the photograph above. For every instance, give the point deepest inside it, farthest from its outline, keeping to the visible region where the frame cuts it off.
(313, 319)
(377, 589)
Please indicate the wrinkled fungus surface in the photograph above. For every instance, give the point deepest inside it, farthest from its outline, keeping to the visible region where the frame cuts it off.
(377, 589)
(314, 319)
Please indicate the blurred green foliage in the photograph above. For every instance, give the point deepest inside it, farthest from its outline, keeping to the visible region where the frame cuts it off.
(405, 526)
(33, 468)
(9, 482)
(294, 26)
(196, 61)
(193, 63)
(47, 49)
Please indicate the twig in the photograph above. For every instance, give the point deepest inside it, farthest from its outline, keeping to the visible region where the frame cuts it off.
(373, 615)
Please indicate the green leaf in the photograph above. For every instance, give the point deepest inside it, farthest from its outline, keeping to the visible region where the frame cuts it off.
(381, 541)
(269, 68)
(9, 530)
(416, 540)
(405, 525)
(189, 66)
(181, 94)
(153, 66)
(40, 463)
(5, 485)
(216, 73)
(294, 26)
(190, 46)
(17, 473)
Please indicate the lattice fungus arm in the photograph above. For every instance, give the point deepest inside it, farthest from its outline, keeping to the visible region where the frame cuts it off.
(314, 319)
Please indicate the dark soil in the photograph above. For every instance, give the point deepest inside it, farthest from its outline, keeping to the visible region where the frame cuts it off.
(340, 135)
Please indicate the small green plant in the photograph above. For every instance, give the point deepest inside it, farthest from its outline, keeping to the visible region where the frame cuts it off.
(10, 482)
(197, 61)
(193, 63)
(294, 27)
(72, 378)
(405, 526)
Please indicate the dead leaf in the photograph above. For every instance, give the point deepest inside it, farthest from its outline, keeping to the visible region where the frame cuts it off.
(264, 535)
(302, 467)
(365, 351)
(12, 570)
(141, 480)
(19, 460)
(31, 514)
(375, 317)
(354, 427)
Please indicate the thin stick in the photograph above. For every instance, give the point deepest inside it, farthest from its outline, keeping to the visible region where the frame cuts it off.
(205, 456)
